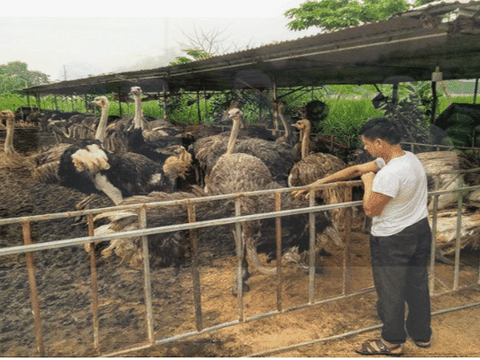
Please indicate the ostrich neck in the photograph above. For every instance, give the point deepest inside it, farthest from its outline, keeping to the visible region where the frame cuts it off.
(9, 138)
(102, 125)
(233, 136)
(305, 142)
(288, 131)
(137, 119)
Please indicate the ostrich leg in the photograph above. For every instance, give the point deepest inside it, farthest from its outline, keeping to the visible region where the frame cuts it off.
(245, 273)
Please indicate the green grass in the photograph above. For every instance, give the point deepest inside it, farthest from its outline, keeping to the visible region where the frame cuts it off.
(345, 118)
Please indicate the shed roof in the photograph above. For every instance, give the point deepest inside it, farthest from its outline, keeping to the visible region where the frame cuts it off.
(408, 46)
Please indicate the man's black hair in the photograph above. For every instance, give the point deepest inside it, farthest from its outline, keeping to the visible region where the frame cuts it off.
(381, 128)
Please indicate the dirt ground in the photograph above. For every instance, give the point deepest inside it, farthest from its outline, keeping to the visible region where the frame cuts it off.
(64, 290)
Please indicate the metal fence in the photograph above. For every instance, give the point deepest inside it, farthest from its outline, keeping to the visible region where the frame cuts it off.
(29, 249)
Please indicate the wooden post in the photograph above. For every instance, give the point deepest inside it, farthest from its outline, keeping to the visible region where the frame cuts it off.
(93, 269)
(27, 239)
(278, 231)
(197, 293)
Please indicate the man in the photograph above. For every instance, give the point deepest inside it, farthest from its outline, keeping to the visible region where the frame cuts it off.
(396, 199)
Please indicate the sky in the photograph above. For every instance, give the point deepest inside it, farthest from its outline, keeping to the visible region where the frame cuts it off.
(94, 37)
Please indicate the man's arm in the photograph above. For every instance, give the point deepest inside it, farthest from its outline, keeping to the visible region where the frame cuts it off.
(373, 202)
(345, 174)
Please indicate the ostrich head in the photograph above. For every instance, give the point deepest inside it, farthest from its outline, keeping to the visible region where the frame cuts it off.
(100, 101)
(136, 90)
(302, 125)
(235, 114)
(7, 115)
(177, 164)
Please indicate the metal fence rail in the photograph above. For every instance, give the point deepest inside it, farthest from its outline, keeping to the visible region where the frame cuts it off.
(28, 248)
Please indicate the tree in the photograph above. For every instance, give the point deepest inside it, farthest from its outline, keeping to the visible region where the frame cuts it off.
(15, 76)
(203, 45)
(337, 14)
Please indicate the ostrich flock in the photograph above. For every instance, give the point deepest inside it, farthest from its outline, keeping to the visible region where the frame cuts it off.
(133, 161)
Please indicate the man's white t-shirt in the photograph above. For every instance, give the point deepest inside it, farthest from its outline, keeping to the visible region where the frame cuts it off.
(405, 181)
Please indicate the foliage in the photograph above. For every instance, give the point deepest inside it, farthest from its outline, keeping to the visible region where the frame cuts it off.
(16, 76)
(337, 14)
(192, 55)
(201, 45)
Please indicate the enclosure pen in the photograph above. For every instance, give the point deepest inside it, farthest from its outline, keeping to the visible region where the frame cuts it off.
(192, 226)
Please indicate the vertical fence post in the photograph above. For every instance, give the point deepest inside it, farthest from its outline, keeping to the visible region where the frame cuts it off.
(93, 267)
(434, 243)
(311, 250)
(142, 224)
(240, 255)
(347, 236)
(196, 276)
(278, 226)
(27, 239)
(457, 241)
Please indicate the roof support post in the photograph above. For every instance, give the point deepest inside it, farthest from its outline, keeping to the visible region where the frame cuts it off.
(475, 92)
(434, 102)
(275, 111)
(206, 103)
(198, 107)
(120, 102)
(164, 103)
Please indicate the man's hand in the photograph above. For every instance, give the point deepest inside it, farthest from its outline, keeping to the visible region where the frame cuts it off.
(306, 192)
(368, 177)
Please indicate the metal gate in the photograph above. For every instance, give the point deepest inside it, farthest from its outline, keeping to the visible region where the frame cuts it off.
(29, 249)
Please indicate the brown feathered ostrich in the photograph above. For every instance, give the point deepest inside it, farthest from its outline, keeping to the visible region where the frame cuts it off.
(278, 157)
(9, 118)
(10, 158)
(239, 172)
(316, 166)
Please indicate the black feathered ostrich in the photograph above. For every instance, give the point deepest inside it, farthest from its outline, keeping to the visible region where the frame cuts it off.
(90, 168)
(151, 139)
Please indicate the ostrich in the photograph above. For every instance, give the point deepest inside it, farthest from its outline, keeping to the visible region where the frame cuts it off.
(316, 166)
(165, 249)
(239, 172)
(120, 174)
(9, 117)
(10, 157)
(134, 140)
(90, 168)
(277, 157)
(48, 159)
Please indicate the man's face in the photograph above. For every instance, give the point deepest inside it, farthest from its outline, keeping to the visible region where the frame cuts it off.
(373, 147)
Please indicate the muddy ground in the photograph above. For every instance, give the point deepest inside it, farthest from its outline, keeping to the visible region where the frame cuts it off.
(64, 290)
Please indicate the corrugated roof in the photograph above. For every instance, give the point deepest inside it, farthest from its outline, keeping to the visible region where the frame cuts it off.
(408, 46)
